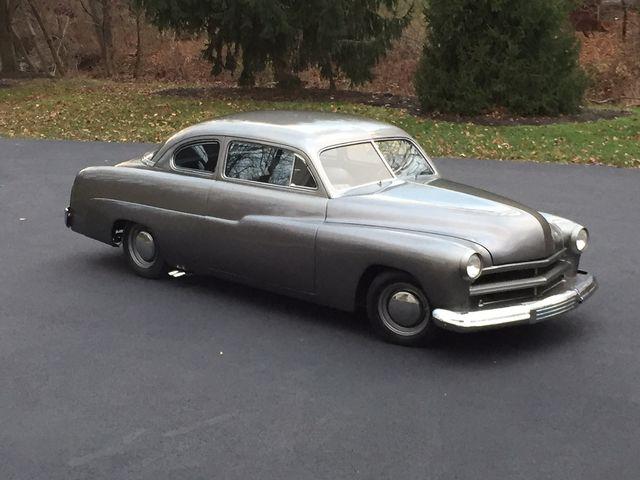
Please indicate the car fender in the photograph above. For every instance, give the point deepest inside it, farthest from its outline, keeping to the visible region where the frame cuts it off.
(344, 252)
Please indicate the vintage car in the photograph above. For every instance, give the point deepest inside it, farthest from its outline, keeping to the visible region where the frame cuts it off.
(338, 210)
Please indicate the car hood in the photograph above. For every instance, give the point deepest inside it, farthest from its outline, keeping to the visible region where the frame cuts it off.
(510, 231)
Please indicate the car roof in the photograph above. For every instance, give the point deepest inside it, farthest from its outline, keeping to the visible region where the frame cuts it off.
(304, 130)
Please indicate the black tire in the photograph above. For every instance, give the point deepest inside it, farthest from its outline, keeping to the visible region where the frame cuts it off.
(396, 293)
(150, 263)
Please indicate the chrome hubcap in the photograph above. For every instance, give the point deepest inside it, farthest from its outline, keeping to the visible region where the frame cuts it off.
(405, 309)
(145, 246)
(142, 247)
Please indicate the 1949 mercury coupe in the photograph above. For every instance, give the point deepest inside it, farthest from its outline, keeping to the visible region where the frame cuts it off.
(339, 210)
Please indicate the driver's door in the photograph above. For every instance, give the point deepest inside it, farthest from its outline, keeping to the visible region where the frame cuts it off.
(263, 215)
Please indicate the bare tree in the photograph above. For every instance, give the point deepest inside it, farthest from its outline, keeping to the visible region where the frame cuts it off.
(137, 7)
(101, 14)
(47, 38)
(44, 63)
(19, 44)
(7, 48)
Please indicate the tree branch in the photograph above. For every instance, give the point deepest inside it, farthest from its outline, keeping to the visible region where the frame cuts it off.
(56, 58)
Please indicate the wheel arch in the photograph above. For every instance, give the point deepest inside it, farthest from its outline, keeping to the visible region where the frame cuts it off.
(350, 256)
(118, 229)
(369, 275)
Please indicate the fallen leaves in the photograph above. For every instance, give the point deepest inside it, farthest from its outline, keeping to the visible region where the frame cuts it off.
(80, 109)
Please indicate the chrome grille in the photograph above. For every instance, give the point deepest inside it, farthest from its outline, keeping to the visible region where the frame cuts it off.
(520, 281)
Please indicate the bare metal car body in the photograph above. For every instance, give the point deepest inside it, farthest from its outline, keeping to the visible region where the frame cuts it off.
(324, 245)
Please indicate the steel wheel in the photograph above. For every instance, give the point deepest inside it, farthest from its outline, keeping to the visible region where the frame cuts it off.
(402, 309)
(398, 309)
(141, 250)
(142, 246)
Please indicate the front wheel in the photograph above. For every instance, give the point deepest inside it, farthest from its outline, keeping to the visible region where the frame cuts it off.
(399, 311)
(141, 251)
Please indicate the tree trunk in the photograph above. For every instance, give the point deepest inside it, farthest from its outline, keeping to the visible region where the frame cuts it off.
(332, 79)
(23, 51)
(7, 50)
(100, 13)
(54, 54)
(625, 19)
(138, 65)
(44, 64)
(107, 32)
(246, 78)
(284, 75)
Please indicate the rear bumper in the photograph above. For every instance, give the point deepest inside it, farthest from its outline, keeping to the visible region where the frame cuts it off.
(68, 217)
(528, 312)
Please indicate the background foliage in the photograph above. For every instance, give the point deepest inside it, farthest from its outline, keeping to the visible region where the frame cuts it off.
(120, 40)
(520, 55)
(346, 36)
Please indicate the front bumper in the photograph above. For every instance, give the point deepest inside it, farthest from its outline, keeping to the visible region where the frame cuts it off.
(523, 313)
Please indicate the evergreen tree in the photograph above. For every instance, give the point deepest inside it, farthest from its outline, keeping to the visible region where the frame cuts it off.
(345, 36)
(257, 29)
(521, 55)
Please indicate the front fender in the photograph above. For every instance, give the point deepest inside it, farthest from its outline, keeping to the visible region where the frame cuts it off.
(344, 252)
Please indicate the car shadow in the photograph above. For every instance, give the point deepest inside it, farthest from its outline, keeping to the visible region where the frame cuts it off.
(517, 341)
(477, 347)
(460, 347)
(278, 304)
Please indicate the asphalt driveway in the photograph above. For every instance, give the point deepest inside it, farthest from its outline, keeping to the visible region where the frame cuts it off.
(106, 375)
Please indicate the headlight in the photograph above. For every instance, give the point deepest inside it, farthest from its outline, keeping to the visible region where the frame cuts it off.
(473, 268)
(580, 239)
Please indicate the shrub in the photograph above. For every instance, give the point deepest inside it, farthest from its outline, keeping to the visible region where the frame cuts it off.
(481, 55)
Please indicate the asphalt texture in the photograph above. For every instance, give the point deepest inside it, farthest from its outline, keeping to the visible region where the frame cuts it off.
(105, 375)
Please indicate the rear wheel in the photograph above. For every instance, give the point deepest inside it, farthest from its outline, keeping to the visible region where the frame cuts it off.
(141, 251)
(399, 311)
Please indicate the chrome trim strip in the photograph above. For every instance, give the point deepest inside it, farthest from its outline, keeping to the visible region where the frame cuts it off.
(526, 312)
(524, 265)
(510, 285)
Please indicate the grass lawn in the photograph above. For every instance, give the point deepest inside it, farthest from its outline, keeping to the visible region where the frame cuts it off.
(123, 112)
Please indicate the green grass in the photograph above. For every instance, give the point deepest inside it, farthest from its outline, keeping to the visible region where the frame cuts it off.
(98, 110)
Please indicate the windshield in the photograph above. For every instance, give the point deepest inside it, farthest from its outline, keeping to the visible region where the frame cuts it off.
(404, 158)
(361, 164)
(353, 165)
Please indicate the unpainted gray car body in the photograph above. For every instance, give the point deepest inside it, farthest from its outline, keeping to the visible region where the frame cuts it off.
(317, 244)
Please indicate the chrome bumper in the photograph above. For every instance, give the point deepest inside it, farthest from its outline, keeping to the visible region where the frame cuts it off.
(528, 312)
(68, 217)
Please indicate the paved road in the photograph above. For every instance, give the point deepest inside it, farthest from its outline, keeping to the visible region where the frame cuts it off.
(107, 375)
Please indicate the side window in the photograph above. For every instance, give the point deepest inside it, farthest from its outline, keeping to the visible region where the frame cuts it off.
(199, 156)
(267, 164)
(301, 175)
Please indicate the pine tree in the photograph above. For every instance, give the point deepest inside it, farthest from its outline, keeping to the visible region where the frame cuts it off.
(481, 55)
(346, 36)
(257, 30)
